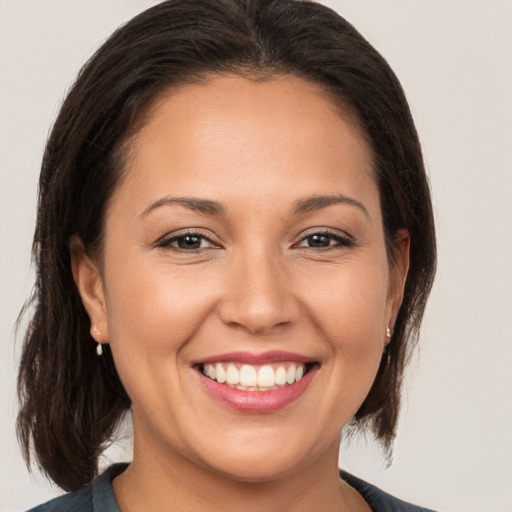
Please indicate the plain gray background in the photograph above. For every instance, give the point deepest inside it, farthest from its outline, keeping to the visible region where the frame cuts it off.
(454, 59)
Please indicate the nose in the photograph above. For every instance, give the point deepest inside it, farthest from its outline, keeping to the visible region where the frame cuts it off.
(259, 295)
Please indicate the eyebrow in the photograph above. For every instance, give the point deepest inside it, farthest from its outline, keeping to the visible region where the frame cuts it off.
(200, 205)
(314, 203)
(209, 207)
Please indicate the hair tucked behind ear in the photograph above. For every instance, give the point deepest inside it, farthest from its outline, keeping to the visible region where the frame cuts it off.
(72, 400)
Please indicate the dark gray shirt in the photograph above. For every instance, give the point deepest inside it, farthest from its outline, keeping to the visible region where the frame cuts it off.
(99, 496)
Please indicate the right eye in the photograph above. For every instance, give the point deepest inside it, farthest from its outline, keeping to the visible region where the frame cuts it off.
(187, 242)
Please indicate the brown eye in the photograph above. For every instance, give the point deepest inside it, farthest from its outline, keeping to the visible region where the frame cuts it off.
(187, 242)
(319, 240)
(324, 241)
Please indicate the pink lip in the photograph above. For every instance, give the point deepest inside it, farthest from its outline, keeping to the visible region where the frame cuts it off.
(257, 401)
(251, 358)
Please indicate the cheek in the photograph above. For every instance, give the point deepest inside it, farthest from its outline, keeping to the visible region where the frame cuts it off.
(153, 313)
(350, 306)
(155, 309)
(349, 311)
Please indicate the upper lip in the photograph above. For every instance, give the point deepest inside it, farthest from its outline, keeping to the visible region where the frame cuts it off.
(253, 358)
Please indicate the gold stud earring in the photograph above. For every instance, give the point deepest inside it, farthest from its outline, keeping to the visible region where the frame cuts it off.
(388, 331)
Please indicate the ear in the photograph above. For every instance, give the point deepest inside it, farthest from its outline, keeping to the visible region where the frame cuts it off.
(87, 277)
(397, 276)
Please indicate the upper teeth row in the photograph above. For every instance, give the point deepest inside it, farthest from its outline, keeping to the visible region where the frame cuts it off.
(247, 375)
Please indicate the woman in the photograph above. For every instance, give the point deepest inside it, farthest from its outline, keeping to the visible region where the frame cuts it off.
(235, 242)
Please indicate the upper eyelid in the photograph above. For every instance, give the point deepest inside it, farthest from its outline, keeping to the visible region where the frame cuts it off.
(325, 231)
(211, 239)
(340, 240)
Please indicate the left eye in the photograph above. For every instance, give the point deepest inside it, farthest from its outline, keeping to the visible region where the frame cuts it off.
(187, 242)
(323, 240)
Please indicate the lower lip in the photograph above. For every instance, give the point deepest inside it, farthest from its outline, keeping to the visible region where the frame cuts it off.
(257, 401)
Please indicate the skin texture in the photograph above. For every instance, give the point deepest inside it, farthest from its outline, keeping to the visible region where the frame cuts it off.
(254, 285)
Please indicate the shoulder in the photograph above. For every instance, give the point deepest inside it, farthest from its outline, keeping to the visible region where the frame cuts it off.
(78, 501)
(96, 497)
(379, 500)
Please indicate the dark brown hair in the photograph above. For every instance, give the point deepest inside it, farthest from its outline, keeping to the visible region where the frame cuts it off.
(71, 400)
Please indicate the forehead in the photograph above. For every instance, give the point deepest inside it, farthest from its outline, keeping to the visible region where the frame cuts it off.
(231, 133)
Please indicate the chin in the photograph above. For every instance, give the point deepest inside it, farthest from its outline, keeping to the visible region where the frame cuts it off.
(260, 470)
(259, 463)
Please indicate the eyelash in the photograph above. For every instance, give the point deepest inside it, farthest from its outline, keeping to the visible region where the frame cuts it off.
(341, 241)
(166, 243)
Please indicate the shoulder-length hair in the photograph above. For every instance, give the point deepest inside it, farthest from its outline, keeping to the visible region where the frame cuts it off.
(71, 400)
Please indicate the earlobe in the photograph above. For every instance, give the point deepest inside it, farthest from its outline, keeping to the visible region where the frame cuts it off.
(87, 277)
(398, 274)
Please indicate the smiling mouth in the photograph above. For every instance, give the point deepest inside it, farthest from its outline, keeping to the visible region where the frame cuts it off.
(259, 377)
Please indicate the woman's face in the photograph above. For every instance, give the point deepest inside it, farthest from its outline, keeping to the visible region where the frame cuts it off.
(245, 243)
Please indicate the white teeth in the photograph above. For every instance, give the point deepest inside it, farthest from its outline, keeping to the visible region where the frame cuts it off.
(220, 373)
(266, 376)
(280, 376)
(248, 376)
(290, 374)
(232, 375)
(210, 371)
